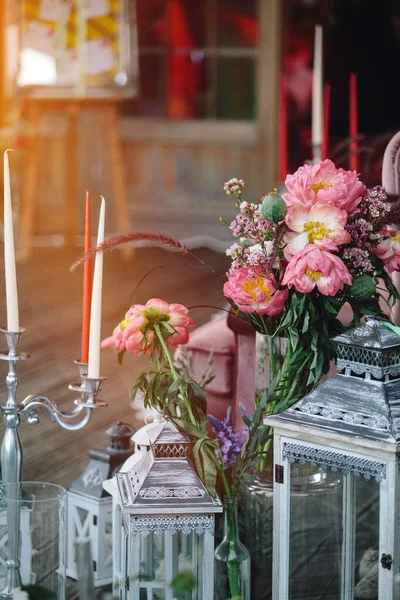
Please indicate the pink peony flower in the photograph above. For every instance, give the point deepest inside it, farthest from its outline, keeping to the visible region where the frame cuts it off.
(322, 182)
(117, 340)
(136, 333)
(253, 291)
(389, 251)
(322, 225)
(314, 267)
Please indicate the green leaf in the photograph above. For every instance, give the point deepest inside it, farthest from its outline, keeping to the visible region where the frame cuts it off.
(306, 322)
(190, 429)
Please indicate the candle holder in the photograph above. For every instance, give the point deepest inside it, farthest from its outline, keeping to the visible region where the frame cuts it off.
(11, 450)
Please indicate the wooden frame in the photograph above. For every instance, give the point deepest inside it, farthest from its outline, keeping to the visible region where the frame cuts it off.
(261, 132)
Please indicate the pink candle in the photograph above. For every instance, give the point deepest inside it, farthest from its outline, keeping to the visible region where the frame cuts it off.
(354, 161)
(283, 142)
(326, 109)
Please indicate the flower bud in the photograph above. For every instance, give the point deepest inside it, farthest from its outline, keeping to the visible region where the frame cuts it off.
(363, 287)
(273, 207)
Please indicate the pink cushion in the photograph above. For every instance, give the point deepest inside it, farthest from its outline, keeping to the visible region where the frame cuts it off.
(215, 336)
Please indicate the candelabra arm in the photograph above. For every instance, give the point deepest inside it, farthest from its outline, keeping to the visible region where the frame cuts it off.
(32, 403)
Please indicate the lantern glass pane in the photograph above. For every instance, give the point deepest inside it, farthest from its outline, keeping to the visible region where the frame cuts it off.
(366, 538)
(315, 533)
(171, 557)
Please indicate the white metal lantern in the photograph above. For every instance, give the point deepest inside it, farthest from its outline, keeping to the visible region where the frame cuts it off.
(167, 520)
(26, 544)
(336, 488)
(90, 506)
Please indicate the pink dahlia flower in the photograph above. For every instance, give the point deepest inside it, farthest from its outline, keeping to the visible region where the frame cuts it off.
(322, 225)
(322, 182)
(389, 252)
(138, 328)
(314, 267)
(253, 291)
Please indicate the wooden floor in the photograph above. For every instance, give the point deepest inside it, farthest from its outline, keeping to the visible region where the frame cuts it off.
(50, 309)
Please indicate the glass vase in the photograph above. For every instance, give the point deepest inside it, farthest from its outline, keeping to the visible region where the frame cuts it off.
(232, 560)
(270, 357)
(256, 510)
(42, 536)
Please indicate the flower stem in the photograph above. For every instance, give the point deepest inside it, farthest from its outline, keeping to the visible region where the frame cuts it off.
(174, 373)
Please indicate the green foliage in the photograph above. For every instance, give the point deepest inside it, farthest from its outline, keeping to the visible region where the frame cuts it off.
(37, 592)
(182, 583)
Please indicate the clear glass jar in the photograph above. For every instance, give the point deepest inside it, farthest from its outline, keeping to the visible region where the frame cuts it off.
(270, 356)
(33, 525)
(232, 560)
(256, 511)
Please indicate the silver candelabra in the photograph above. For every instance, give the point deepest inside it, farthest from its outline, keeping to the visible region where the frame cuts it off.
(11, 449)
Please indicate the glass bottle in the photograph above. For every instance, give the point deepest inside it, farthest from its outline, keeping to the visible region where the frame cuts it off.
(232, 560)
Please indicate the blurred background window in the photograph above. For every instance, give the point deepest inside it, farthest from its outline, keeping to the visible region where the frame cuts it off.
(197, 60)
(362, 37)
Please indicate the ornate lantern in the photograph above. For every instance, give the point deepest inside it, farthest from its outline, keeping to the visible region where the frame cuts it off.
(168, 520)
(336, 488)
(90, 506)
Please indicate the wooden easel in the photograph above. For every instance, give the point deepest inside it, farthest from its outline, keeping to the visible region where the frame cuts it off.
(71, 108)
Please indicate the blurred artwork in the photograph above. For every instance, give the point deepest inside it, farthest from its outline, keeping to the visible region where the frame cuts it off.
(76, 44)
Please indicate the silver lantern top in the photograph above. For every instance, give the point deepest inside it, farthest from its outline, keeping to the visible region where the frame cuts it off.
(372, 350)
(163, 481)
(363, 398)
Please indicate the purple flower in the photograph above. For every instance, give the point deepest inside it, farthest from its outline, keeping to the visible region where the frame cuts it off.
(229, 440)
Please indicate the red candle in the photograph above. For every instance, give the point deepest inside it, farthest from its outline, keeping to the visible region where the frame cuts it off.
(354, 161)
(326, 109)
(87, 287)
(283, 149)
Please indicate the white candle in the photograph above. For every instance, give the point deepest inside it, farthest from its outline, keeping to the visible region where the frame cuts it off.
(317, 92)
(95, 314)
(9, 254)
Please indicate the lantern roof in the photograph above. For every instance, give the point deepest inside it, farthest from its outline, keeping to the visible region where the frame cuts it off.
(141, 436)
(163, 481)
(370, 348)
(363, 399)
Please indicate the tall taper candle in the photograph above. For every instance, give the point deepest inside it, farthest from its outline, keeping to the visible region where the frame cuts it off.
(95, 314)
(317, 118)
(283, 129)
(9, 254)
(354, 162)
(325, 138)
(87, 287)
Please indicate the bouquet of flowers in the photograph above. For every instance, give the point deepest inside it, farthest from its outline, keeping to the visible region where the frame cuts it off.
(300, 257)
(154, 329)
(297, 261)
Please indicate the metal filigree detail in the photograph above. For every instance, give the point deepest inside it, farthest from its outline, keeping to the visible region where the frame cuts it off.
(178, 492)
(332, 413)
(159, 525)
(368, 360)
(335, 461)
(139, 472)
(170, 450)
